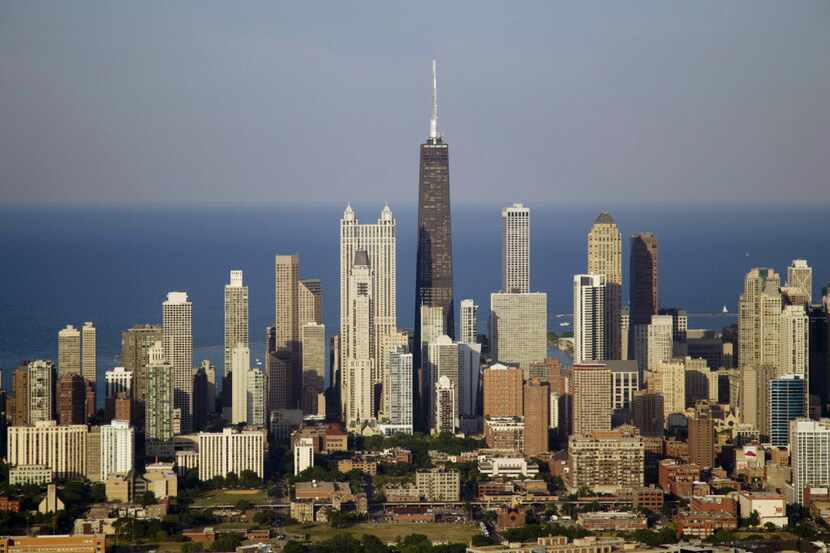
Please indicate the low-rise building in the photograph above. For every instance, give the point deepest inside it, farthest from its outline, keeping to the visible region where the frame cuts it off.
(30, 474)
(670, 471)
(438, 484)
(507, 467)
(510, 517)
(554, 544)
(703, 525)
(9, 505)
(405, 492)
(53, 544)
(605, 462)
(302, 510)
(622, 521)
(505, 433)
(714, 504)
(770, 507)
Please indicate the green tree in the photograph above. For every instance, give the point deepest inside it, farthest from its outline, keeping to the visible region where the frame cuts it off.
(190, 547)
(227, 542)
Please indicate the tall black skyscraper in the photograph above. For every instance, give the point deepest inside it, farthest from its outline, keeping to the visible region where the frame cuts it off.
(433, 278)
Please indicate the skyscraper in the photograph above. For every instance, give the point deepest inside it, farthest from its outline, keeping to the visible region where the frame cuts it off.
(255, 403)
(69, 350)
(515, 223)
(135, 354)
(590, 324)
(446, 406)
(800, 275)
(433, 273)
(702, 436)
(117, 449)
(177, 334)
(400, 379)
(643, 286)
(158, 403)
(759, 319)
(659, 342)
(592, 405)
(240, 365)
(537, 416)
(503, 394)
(786, 403)
(309, 301)
(313, 338)
(236, 316)
(287, 380)
(88, 352)
(605, 258)
(378, 241)
(810, 454)
(519, 328)
(794, 347)
(71, 398)
(357, 385)
(469, 321)
(41, 391)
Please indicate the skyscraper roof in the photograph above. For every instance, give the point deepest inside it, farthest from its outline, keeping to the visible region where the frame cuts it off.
(604, 218)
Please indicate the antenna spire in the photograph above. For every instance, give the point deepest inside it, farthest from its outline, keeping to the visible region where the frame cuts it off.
(433, 123)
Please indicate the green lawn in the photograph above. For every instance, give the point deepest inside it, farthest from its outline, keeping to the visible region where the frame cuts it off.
(229, 497)
(387, 532)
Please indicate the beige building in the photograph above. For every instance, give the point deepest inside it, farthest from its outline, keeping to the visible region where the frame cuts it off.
(800, 275)
(309, 301)
(53, 544)
(605, 462)
(605, 258)
(794, 347)
(659, 341)
(753, 396)
(438, 484)
(177, 339)
(515, 226)
(669, 380)
(236, 316)
(61, 448)
(759, 319)
(378, 241)
(592, 401)
(69, 350)
(30, 474)
(519, 328)
(358, 379)
(231, 451)
(313, 344)
(89, 352)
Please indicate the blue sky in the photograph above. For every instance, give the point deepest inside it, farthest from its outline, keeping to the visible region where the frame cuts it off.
(316, 101)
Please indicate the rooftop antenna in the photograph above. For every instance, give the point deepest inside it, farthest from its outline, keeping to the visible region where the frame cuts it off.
(433, 123)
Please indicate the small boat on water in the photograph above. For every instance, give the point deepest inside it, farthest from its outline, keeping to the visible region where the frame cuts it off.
(725, 310)
(565, 324)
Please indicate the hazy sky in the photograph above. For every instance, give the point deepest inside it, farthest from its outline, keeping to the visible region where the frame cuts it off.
(540, 101)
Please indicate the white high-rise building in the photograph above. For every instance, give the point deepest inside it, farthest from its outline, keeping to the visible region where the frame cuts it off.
(794, 346)
(241, 365)
(303, 455)
(591, 336)
(800, 275)
(378, 242)
(118, 380)
(69, 350)
(255, 403)
(810, 455)
(88, 352)
(221, 453)
(446, 406)
(469, 321)
(669, 379)
(41, 391)
(515, 249)
(659, 341)
(400, 380)
(117, 448)
(519, 328)
(357, 382)
(177, 333)
(236, 316)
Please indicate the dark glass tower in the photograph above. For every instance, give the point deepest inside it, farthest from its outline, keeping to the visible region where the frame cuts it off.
(433, 278)
(643, 282)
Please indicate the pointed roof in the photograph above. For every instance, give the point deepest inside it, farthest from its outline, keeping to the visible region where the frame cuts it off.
(604, 218)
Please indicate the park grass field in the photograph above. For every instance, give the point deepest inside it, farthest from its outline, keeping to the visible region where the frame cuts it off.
(438, 532)
(229, 497)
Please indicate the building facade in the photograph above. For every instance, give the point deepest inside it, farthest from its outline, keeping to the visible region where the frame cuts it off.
(515, 224)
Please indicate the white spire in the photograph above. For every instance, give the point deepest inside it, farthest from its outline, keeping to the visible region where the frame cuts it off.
(433, 123)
